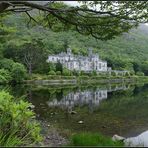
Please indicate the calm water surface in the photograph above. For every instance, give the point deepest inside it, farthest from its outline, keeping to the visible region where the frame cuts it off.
(109, 109)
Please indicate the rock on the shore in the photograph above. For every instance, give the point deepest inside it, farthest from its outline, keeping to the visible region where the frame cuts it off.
(118, 138)
(138, 141)
(80, 122)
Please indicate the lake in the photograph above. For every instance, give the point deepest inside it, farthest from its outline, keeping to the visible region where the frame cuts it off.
(109, 109)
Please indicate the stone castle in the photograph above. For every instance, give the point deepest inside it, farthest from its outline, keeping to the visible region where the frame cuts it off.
(89, 63)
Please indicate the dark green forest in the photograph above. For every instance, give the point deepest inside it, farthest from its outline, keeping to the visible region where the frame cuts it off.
(29, 44)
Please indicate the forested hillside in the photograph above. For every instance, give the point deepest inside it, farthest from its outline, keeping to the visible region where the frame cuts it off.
(129, 51)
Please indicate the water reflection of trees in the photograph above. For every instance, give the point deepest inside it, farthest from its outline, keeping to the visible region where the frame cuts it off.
(131, 104)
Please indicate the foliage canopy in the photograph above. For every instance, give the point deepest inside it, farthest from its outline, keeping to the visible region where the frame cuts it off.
(101, 19)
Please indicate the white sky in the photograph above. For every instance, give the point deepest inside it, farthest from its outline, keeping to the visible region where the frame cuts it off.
(75, 3)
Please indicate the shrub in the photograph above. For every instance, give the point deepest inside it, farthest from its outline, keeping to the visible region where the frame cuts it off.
(3, 80)
(83, 73)
(75, 73)
(66, 72)
(94, 73)
(113, 73)
(36, 77)
(68, 77)
(18, 72)
(139, 73)
(51, 72)
(58, 72)
(17, 122)
(93, 139)
(5, 76)
(127, 74)
(51, 77)
(101, 73)
(132, 73)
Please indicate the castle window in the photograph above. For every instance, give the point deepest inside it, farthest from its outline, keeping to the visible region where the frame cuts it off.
(99, 65)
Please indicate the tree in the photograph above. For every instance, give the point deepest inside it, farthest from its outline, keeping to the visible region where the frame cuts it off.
(6, 64)
(34, 56)
(18, 72)
(145, 67)
(52, 66)
(65, 44)
(12, 71)
(59, 67)
(107, 20)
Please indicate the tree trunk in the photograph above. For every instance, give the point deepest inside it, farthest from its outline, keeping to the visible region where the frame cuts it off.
(30, 70)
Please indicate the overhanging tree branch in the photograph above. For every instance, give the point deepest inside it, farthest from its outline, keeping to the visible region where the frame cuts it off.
(113, 17)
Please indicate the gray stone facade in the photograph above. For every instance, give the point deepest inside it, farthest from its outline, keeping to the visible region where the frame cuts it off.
(89, 63)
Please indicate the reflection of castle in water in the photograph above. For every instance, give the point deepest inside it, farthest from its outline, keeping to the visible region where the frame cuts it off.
(87, 97)
(80, 98)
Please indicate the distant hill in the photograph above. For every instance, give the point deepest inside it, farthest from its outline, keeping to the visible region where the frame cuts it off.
(129, 51)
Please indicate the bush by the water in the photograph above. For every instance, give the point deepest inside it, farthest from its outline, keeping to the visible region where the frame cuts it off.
(51, 72)
(11, 71)
(139, 73)
(5, 76)
(93, 139)
(17, 122)
(58, 72)
(18, 72)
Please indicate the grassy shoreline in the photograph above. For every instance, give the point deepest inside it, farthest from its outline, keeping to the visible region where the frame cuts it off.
(67, 80)
(93, 139)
